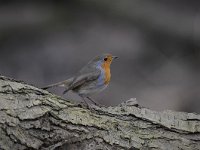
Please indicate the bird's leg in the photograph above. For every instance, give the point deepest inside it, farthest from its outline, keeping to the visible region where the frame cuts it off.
(93, 101)
(85, 101)
(83, 98)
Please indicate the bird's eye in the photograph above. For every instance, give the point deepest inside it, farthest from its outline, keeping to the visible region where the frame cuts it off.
(105, 59)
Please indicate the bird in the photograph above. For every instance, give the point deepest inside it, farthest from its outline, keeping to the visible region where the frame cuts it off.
(93, 78)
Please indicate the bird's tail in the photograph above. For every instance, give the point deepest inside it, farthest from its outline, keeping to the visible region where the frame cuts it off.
(59, 84)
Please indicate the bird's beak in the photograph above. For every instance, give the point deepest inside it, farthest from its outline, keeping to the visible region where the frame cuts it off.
(114, 57)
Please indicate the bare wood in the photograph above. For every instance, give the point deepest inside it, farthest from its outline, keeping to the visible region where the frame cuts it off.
(32, 118)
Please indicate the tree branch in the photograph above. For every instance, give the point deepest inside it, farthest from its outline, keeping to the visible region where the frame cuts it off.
(31, 118)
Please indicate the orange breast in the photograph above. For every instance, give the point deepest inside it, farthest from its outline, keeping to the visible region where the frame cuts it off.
(106, 67)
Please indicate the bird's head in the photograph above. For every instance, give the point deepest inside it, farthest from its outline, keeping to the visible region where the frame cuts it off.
(104, 59)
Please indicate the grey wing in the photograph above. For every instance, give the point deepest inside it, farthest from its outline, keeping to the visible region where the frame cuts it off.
(60, 84)
(82, 78)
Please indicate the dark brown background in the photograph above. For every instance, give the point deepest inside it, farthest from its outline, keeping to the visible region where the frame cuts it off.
(157, 41)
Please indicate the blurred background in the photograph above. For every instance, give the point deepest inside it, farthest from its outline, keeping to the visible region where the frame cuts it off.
(43, 42)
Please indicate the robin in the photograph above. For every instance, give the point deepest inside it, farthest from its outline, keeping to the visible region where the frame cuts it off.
(91, 79)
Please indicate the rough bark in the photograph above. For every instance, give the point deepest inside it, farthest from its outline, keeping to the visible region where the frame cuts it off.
(32, 118)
